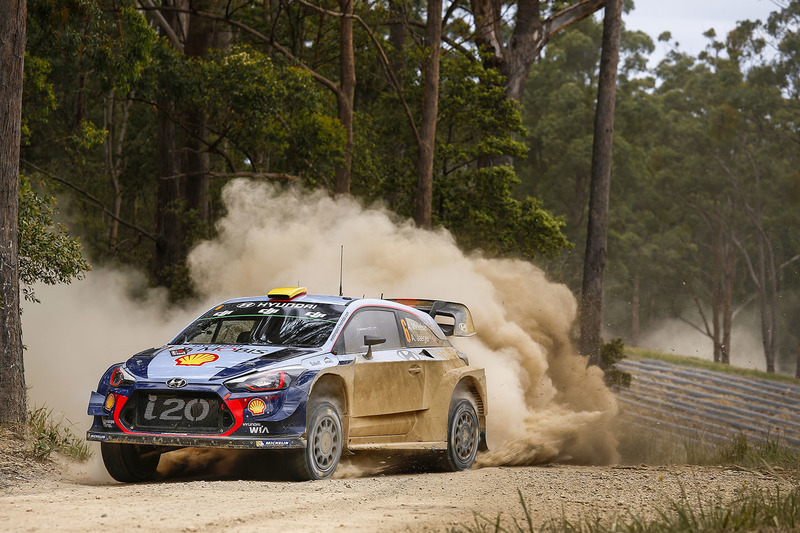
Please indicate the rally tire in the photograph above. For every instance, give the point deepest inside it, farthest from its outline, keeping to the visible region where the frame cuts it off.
(324, 445)
(129, 463)
(463, 435)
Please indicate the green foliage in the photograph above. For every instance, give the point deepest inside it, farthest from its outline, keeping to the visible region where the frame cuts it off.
(273, 116)
(473, 195)
(611, 353)
(479, 209)
(47, 253)
(39, 99)
(50, 435)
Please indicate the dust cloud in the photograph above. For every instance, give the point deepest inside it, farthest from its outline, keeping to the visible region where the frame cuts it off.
(544, 403)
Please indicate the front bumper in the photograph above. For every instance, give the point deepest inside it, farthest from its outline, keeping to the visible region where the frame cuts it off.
(182, 441)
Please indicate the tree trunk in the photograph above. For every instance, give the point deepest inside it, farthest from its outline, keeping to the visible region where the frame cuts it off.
(13, 408)
(729, 276)
(195, 158)
(170, 246)
(430, 111)
(797, 368)
(635, 311)
(716, 305)
(347, 87)
(113, 149)
(170, 231)
(591, 314)
(530, 34)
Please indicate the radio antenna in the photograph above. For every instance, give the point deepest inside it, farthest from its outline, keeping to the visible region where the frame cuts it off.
(341, 264)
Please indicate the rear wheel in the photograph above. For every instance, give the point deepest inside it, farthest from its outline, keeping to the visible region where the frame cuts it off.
(463, 435)
(129, 463)
(324, 447)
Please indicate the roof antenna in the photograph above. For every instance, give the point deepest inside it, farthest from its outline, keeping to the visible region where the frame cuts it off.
(341, 263)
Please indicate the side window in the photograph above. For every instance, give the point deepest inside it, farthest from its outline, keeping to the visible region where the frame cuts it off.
(375, 322)
(417, 334)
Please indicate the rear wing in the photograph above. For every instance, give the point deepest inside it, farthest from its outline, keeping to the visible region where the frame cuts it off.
(454, 318)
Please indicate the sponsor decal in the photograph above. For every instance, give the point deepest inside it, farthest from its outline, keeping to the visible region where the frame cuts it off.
(109, 403)
(272, 443)
(287, 305)
(196, 359)
(179, 351)
(257, 406)
(245, 305)
(237, 349)
(258, 430)
(98, 436)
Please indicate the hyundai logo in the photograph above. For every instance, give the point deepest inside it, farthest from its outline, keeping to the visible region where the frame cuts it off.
(176, 383)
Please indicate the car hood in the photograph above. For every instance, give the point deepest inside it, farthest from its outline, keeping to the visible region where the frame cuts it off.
(208, 362)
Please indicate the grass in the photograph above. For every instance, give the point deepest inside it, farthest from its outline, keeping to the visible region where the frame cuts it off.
(49, 434)
(638, 354)
(652, 448)
(751, 509)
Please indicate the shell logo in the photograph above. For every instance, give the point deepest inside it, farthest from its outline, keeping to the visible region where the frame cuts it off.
(196, 359)
(257, 406)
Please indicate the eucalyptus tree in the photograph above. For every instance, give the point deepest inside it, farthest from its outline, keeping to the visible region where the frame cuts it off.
(12, 53)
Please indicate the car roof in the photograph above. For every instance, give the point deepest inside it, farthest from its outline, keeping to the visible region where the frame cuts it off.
(306, 298)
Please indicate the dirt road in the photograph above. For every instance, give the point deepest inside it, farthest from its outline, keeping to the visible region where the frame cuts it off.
(67, 498)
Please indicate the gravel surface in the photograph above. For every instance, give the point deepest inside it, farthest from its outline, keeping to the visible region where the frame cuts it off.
(70, 497)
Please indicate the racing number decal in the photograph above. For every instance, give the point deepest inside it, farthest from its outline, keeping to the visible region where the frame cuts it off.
(405, 329)
(174, 406)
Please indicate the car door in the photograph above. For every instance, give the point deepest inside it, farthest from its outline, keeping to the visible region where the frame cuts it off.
(431, 354)
(387, 387)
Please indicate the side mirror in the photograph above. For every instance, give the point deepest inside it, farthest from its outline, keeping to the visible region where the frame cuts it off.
(371, 341)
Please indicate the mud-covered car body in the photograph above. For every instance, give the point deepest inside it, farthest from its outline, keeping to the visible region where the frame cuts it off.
(291, 371)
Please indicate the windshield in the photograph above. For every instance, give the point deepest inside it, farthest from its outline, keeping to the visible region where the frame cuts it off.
(268, 323)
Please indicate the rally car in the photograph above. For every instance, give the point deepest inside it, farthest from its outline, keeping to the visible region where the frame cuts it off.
(315, 376)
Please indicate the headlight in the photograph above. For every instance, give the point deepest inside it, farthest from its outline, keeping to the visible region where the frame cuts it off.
(266, 380)
(120, 377)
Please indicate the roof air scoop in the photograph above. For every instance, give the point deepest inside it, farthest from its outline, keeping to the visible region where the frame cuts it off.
(287, 293)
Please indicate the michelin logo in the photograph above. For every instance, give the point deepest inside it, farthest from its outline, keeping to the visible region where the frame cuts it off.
(272, 443)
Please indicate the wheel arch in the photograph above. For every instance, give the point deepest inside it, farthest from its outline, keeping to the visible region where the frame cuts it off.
(333, 388)
(472, 385)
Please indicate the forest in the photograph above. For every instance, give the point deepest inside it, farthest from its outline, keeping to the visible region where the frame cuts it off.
(135, 114)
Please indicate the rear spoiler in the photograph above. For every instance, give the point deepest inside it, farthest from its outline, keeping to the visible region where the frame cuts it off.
(462, 325)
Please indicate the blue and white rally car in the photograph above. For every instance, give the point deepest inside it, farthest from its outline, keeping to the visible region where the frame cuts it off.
(313, 375)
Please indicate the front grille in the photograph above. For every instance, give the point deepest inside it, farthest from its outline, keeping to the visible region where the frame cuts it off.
(176, 412)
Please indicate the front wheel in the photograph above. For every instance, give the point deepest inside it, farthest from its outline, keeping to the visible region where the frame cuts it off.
(324, 444)
(463, 435)
(129, 463)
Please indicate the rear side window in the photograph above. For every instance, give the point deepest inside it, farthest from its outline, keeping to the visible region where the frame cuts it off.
(416, 334)
(376, 323)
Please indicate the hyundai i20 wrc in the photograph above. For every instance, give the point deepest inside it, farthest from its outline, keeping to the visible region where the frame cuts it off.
(315, 376)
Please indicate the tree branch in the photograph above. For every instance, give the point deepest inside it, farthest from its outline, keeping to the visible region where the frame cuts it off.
(381, 54)
(570, 15)
(92, 199)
